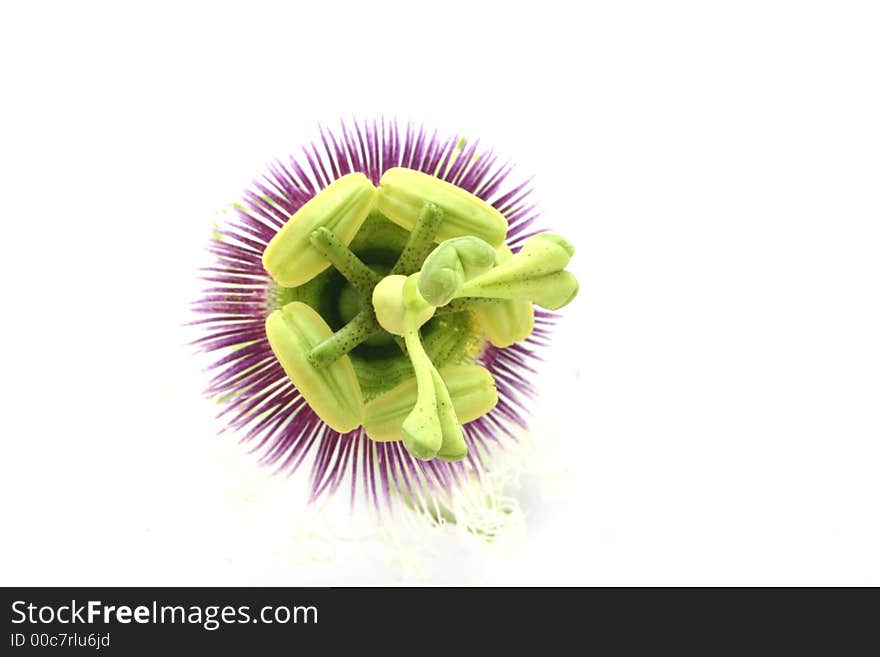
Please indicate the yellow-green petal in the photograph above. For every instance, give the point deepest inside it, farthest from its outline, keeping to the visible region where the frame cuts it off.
(404, 192)
(471, 389)
(290, 258)
(332, 391)
(506, 322)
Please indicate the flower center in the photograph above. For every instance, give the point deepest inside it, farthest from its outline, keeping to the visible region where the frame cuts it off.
(352, 302)
(379, 362)
(432, 301)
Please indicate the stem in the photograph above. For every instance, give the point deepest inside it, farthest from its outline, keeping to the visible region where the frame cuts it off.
(361, 277)
(361, 327)
(420, 241)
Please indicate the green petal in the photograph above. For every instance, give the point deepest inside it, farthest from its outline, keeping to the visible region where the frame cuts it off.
(506, 322)
(290, 258)
(403, 194)
(332, 391)
(471, 389)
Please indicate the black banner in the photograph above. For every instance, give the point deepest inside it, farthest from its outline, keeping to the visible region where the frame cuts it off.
(132, 621)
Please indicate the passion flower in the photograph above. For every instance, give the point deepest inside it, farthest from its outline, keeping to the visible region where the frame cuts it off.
(373, 307)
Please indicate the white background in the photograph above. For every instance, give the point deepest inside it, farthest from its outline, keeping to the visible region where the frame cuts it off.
(711, 400)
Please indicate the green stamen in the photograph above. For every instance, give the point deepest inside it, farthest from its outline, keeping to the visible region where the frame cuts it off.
(422, 432)
(359, 329)
(551, 291)
(420, 242)
(508, 320)
(466, 304)
(536, 273)
(431, 429)
(362, 278)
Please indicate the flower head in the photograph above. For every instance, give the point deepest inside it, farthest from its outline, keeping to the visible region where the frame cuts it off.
(371, 305)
